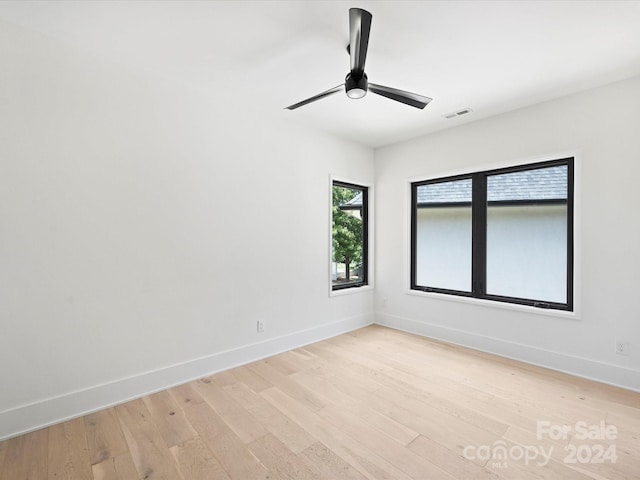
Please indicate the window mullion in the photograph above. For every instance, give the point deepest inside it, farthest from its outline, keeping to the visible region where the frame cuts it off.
(479, 235)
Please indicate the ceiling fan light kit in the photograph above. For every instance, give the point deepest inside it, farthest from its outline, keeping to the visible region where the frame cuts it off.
(356, 88)
(356, 83)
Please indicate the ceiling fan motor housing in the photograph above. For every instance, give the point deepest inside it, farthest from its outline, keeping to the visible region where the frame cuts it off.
(356, 87)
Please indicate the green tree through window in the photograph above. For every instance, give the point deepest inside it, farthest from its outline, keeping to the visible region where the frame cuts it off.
(348, 235)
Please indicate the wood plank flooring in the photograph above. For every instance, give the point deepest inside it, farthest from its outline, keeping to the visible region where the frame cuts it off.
(372, 404)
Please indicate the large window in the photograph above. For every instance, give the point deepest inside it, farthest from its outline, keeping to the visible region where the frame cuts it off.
(349, 251)
(503, 235)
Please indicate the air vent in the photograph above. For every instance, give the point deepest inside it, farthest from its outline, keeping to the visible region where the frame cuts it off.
(464, 111)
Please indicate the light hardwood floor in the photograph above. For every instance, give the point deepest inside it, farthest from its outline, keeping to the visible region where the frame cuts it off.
(373, 404)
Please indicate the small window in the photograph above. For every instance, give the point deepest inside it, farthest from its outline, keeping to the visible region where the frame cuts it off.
(503, 235)
(349, 229)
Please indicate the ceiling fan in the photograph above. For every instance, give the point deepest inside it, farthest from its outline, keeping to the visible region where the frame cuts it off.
(356, 83)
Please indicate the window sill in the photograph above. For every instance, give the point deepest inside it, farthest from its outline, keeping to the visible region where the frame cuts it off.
(494, 304)
(349, 291)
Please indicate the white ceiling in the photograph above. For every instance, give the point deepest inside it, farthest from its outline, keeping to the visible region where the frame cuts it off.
(490, 56)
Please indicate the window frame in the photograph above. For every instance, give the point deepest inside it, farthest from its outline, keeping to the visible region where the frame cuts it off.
(365, 283)
(479, 205)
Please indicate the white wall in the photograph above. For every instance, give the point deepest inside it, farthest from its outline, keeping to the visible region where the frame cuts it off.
(529, 239)
(145, 228)
(443, 248)
(601, 128)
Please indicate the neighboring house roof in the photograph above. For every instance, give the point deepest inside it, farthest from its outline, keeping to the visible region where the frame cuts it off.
(458, 191)
(353, 204)
(530, 185)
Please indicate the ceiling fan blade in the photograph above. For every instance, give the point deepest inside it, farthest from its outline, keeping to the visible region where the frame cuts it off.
(359, 29)
(316, 97)
(408, 98)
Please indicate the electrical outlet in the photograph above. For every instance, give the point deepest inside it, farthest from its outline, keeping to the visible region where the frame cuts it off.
(261, 326)
(623, 348)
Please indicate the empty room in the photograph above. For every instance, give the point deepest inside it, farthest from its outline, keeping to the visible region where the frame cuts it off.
(321, 240)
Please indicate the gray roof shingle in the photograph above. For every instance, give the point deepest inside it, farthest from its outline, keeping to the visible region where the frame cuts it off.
(457, 191)
(355, 202)
(540, 184)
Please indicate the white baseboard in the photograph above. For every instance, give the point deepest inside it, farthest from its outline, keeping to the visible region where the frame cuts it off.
(581, 367)
(36, 415)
